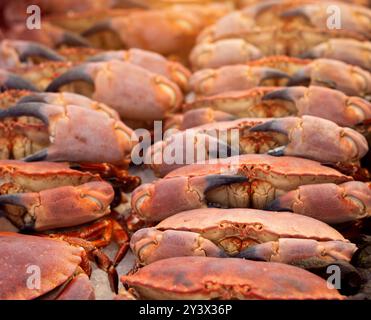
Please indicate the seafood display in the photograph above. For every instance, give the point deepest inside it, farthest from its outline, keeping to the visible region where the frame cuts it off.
(187, 150)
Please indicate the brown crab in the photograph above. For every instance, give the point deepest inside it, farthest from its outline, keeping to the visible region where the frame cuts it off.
(334, 74)
(306, 137)
(236, 182)
(238, 51)
(44, 196)
(63, 136)
(254, 234)
(168, 32)
(214, 278)
(63, 267)
(209, 82)
(263, 102)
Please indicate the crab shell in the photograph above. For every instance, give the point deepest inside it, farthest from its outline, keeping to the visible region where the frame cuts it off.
(239, 181)
(57, 261)
(214, 278)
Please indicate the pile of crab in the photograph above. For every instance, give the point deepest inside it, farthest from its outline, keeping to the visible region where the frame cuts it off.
(265, 103)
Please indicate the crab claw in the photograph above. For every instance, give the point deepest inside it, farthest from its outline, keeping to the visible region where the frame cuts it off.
(334, 74)
(223, 52)
(155, 201)
(232, 78)
(60, 207)
(198, 117)
(188, 147)
(325, 103)
(300, 252)
(357, 52)
(10, 80)
(150, 244)
(317, 139)
(20, 51)
(66, 98)
(114, 83)
(77, 134)
(151, 61)
(328, 202)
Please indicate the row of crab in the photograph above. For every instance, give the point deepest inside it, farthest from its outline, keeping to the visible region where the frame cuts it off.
(289, 91)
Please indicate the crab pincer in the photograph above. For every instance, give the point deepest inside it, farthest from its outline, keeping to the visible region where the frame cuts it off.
(334, 74)
(328, 202)
(250, 180)
(229, 78)
(15, 52)
(151, 61)
(134, 92)
(76, 133)
(9, 80)
(324, 103)
(317, 139)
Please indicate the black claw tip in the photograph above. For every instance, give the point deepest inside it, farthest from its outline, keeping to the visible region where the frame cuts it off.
(38, 156)
(277, 152)
(217, 180)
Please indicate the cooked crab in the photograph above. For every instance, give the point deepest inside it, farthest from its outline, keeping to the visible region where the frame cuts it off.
(236, 182)
(306, 137)
(254, 234)
(62, 265)
(330, 104)
(214, 278)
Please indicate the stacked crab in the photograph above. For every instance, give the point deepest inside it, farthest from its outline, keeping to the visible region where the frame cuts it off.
(274, 96)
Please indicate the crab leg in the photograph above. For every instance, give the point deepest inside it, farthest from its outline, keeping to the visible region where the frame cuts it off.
(74, 140)
(317, 139)
(114, 83)
(328, 202)
(100, 258)
(10, 80)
